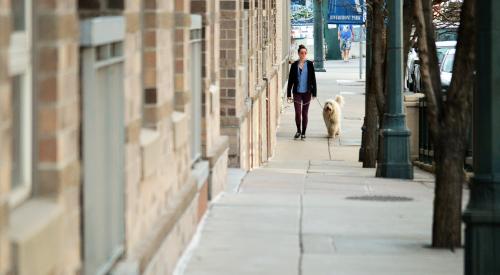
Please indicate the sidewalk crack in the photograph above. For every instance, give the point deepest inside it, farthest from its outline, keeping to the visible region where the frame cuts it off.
(301, 242)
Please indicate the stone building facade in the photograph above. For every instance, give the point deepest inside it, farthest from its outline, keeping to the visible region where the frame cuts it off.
(254, 52)
(121, 118)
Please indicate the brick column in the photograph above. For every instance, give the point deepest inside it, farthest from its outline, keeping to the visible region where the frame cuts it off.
(181, 53)
(214, 146)
(232, 98)
(5, 136)
(56, 55)
(56, 81)
(210, 70)
(133, 89)
(158, 63)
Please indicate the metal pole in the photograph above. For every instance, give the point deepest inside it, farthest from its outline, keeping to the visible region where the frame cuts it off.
(482, 216)
(396, 158)
(318, 37)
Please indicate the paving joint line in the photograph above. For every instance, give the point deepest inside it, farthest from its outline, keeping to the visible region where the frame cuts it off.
(301, 241)
(301, 217)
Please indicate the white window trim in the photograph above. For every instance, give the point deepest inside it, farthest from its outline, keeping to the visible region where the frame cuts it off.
(20, 64)
(23, 190)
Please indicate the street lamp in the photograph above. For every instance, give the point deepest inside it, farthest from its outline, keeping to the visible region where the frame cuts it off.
(482, 216)
(396, 157)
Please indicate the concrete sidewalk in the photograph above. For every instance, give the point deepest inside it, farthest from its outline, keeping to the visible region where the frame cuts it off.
(313, 210)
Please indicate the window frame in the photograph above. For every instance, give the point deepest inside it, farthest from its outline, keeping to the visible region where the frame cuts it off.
(20, 66)
(196, 60)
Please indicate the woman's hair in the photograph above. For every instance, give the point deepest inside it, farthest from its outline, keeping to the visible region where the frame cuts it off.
(301, 47)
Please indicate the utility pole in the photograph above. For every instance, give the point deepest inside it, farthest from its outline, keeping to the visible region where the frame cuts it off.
(318, 37)
(396, 157)
(482, 216)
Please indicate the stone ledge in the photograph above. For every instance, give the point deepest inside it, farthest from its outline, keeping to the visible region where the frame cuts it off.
(424, 166)
(181, 133)
(152, 242)
(35, 230)
(412, 100)
(150, 151)
(200, 172)
(219, 147)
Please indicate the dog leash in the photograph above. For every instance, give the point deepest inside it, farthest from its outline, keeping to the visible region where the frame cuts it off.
(304, 104)
(320, 105)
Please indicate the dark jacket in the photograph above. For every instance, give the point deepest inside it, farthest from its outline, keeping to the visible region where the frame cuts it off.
(293, 80)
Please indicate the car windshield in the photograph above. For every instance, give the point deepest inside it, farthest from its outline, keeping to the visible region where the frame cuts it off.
(448, 63)
(441, 52)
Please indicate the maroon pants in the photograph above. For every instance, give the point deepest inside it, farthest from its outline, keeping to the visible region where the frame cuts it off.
(301, 102)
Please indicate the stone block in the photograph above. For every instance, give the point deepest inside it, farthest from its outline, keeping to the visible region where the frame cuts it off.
(48, 59)
(35, 232)
(412, 122)
(150, 152)
(132, 20)
(126, 268)
(181, 129)
(218, 175)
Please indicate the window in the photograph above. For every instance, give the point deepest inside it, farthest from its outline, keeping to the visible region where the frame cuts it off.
(21, 141)
(196, 86)
(101, 4)
(448, 63)
(22, 102)
(103, 142)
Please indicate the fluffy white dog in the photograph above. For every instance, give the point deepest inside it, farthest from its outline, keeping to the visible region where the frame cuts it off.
(332, 114)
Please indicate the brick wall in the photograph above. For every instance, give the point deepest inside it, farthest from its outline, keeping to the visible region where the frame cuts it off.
(181, 53)
(163, 196)
(56, 83)
(214, 146)
(133, 88)
(161, 192)
(5, 136)
(232, 92)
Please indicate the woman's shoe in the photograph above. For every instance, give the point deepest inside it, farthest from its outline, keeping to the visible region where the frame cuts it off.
(303, 137)
(297, 135)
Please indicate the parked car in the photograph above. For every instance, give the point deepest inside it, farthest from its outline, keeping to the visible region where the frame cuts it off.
(442, 48)
(447, 69)
(413, 80)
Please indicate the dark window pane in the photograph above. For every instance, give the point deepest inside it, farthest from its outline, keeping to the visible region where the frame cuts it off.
(117, 49)
(103, 52)
(19, 15)
(115, 4)
(89, 4)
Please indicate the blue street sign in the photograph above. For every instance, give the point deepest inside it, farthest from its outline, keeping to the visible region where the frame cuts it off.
(346, 12)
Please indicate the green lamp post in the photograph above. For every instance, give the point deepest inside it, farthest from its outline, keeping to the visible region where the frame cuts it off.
(396, 159)
(482, 216)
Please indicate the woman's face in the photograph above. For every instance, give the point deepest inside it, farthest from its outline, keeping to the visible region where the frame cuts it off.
(303, 54)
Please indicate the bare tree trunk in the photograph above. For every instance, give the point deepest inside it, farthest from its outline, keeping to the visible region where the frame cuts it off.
(371, 116)
(453, 136)
(378, 75)
(449, 121)
(429, 68)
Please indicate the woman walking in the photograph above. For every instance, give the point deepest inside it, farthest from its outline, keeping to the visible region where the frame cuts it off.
(302, 82)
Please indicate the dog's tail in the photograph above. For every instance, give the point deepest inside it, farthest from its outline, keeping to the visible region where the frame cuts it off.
(340, 100)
